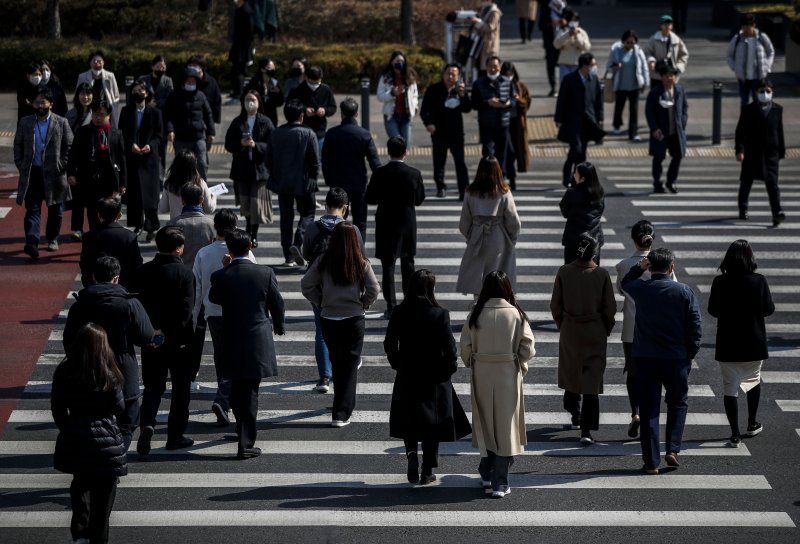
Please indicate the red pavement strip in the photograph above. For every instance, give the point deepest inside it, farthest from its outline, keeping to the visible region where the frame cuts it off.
(32, 294)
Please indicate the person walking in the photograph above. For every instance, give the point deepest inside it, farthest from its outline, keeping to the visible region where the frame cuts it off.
(85, 400)
(643, 235)
(79, 115)
(317, 101)
(582, 206)
(342, 284)
(396, 189)
(496, 344)
(667, 113)
(549, 21)
(750, 56)
(184, 170)
(680, 12)
(247, 140)
(667, 337)
(241, 52)
(197, 227)
(740, 299)
(41, 151)
(487, 26)
(490, 224)
(760, 146)
(189, 120)
(442, 111)
(572, 41)
(397, 90)
(526, 13)
(293, 161)
(668, 47)
(579, 113)
(252, 309)
(629, 66)
(583, 309)
(420, 347)
(264, 82)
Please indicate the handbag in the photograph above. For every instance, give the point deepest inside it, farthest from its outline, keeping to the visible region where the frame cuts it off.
(608, 88)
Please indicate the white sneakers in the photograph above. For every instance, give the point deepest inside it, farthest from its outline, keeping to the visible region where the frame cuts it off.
(502, 492)
(338, 423)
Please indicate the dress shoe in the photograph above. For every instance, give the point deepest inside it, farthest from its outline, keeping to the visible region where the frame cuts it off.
(427, 476)
(143, 444)
(650, 471)
(179, 443)
(576, 421)
(633, 428)
(778, 219)
(671, 459)
(31, 250)
(223, 420)
(248, 453)
(743, 215)
(672, 188)
(151, 235)
(659, 189)
(587, 440)
(413, 467)
(440, 193)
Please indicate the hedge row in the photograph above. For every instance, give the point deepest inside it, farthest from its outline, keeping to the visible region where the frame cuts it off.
(343, 64)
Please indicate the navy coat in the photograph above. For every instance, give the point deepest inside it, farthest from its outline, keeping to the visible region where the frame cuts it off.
(144, 170)
(571, 109)
(346, 147)
(658, 118)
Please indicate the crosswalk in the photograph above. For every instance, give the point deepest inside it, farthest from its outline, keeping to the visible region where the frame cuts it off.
(354, 478)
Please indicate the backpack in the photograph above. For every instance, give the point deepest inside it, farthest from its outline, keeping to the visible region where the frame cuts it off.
(320, 243)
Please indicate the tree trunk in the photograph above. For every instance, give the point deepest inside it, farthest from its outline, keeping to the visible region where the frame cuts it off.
(407, 22)
(53, 20)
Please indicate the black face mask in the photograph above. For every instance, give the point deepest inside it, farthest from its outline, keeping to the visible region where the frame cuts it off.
(159, 73)
(295, 72)
(139, 97)
(42, 112)
(270, 73)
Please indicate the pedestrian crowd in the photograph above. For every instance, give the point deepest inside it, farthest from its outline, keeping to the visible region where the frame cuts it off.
(96, 156)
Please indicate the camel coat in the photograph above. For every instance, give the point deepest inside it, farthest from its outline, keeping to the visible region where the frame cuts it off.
(491, 227)
(489, 31)
(519, 128)
(527, 9)
(583, 308)
(498, 352)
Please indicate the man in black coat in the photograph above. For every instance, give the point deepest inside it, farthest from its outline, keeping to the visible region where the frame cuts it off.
(579, 113)
(318, 100)
(346, 147)
(241, 53)
(760, 147)
(667, 113)
(397, 189)
(491, 97)
(142, 129)
(207, 84)
(166, 289)
(97, 160)
(442, 111)
(126, 323)
(112, 239)
(251, 304)
(189, 120)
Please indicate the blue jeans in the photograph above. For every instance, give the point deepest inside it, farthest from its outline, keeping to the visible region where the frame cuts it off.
(747, 88)
(398, 125)
(320, 348)
(651, 374)
(223, 385)
(565, 69)
(34, 197)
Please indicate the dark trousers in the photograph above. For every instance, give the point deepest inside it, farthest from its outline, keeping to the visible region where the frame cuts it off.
(196, 345)
(223, 385)
(550, 54)
(198, 147)
(571, 253)
(441, 145)
(773, 192)
(306, 206)
(680, 12)
(430, 452)
(590, 414)
(90, 203)
(494, 468)
(731, 404)
(651, 375)
(748, 88)
(140, 217)
(632, 97)
(244, 403)
(128, 420)
(156, 363)
(387, 268)
(345, 339)
(526, 28)
(674, 148)
(493, 143)
(34, 197)
(78, 209)
(630, 377)
(238, 73)
(92, 499)
(575, 156)
(359, 212)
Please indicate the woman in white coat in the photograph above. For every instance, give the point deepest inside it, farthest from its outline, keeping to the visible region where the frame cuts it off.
(397, 90)
(629, 66)
(497, 343)
(102, 81)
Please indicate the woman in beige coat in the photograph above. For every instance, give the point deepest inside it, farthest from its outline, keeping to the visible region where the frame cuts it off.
(490, 223)
(526, 13)
(583, 308)
(497, 344)
(487, 26)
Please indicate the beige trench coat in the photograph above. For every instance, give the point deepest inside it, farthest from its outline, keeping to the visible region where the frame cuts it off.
(498, 352)
(489, 30)
(527, 9)
(583, 308)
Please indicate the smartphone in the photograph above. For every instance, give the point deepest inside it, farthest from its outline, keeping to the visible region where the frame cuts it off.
(158, 340)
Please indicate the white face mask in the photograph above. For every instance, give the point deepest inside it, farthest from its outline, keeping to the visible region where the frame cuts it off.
(493, 76)
(190, 88)
(593, 70)
(97, 73)
(35, 80)
(314, 86)
(765, 97)
(251, 106)
(46, 76)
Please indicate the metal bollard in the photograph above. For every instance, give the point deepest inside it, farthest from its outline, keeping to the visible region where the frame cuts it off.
(365, 103)
(716, 117)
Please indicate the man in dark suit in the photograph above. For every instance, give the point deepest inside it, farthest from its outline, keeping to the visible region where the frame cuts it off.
(397, 189)
(166, 290)
(343, 154)
(760, 147)
(667, 112)
(142, 129)
(579, 113)
(442, 111)
(491, 97)
(251, 303)
(112, 239)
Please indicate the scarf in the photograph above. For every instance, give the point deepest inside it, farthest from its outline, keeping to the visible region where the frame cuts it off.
(101, 135)
(190, 209)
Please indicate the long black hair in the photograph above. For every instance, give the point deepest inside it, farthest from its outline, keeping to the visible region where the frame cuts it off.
(489, 181)
(408, 73)
(421, 285)
(343, 259)
(588, 172)
(739, 259)
(495, 285)
(182, 170)
(643, 234)
(93, 358)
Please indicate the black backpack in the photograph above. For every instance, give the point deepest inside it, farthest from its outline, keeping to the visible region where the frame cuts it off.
(320, 243)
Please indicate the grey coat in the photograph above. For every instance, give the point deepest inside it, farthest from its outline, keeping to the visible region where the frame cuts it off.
(56, 155)
(491, 227)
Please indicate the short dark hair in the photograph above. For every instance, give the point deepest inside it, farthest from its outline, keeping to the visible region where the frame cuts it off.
(336, 198)
(102, 103)
(568, 14)
(169, 238)
(109, 208)
(739, 259)
(157, 59)
(44, 92)
(293, 110)
(199, 60)
(396, 146)
(493, 57)
(96, 53)
(660, 259)
(313, 73)
(33, 67)
(238, 242)
(665, 66)
(105, 269)
(585, 59)
(225, 220)
(349, 107)
(747, 19)
(191, 194)
(630, 34)
(451, 65)
(587, 247)
(765, 84)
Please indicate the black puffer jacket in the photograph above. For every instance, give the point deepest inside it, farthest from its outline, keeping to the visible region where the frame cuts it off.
(89, 440)
(189, 116)
(582, 215)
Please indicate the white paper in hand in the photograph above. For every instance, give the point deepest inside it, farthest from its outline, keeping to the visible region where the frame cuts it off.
(218, 189)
